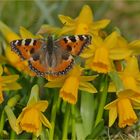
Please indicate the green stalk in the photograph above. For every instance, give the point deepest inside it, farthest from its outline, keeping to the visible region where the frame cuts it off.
(12, 135)
(65, 123)
(34, 137)
(73, 122)
(103, 100)
(53, 116)
(2, 120)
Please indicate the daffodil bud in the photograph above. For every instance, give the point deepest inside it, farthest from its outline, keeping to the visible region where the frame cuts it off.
(13, 101)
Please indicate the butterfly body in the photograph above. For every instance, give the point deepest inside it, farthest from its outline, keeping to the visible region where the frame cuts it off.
(53, 57)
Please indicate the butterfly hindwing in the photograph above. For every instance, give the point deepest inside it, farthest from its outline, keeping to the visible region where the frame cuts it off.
(63, 67)
(74, 44)
(37, 67)
(26, 47)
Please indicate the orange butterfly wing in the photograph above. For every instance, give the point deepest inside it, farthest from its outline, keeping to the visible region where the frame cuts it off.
(26, 47)
(74, 44)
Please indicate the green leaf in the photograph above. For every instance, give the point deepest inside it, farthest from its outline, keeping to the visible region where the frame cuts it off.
(80, 133)
(96, 131)
(87, 111)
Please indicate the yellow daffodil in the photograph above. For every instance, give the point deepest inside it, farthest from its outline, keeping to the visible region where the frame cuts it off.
(71, 83)
(101, 52)
(131, 75)
(31, 117)
(123, 107)
(7, 83)
(10, 36)
(83, 24)
(128, 97)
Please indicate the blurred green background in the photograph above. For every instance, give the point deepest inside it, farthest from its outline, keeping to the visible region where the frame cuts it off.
(32, 14)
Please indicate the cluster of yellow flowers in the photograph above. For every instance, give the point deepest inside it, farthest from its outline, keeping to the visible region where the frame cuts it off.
(107, 54)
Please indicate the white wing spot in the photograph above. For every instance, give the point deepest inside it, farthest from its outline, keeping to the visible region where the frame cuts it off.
(68, 39)
(23, 42)
(31, 43)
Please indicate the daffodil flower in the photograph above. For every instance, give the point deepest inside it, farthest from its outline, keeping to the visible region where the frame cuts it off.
(123, 108)
(10, 36)
(71, 83)
(128, 97)
(131, 75)
(83, 24)
(7, 83)
(31, 117)
(101, 53)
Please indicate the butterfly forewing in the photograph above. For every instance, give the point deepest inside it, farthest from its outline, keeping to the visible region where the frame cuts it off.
(74, 44)
(25, 48)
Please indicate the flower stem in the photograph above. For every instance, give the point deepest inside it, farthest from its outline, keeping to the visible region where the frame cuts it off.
(13, 134)
(103, 100)
(53, 116)
(2, 119)
(73, 122)
(65, 124)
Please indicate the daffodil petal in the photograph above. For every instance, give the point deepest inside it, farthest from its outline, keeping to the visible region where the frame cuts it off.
(112, 115)
(87, 53)
(41, 105)
(134, 44)
(7, 32)
(136, 106)
(97, 41)
(119, 53)
(87, 13)
(9, 79)
(67, 30)
(34, 96)
(85, 86)
(10, 54)
(1, 97)
(132, 66)
(1, 70)
(121, 42)
(12, 119)
(54, 84)
(110, 105)
(25, 33)
(126, 93)
(45, 121)
(111, 87)
(12, 86)
(66, 20)
(111, 40)
(135, 101)
(38, 132)
(100, 24)
(87, 78)
(137, 77)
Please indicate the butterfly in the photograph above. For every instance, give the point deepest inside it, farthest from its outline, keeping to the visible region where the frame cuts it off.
(50, 56)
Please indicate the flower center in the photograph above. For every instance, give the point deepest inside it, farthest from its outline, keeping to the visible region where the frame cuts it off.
(82, 29)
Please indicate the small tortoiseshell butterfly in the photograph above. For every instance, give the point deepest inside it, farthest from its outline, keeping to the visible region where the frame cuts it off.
(53, 57)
